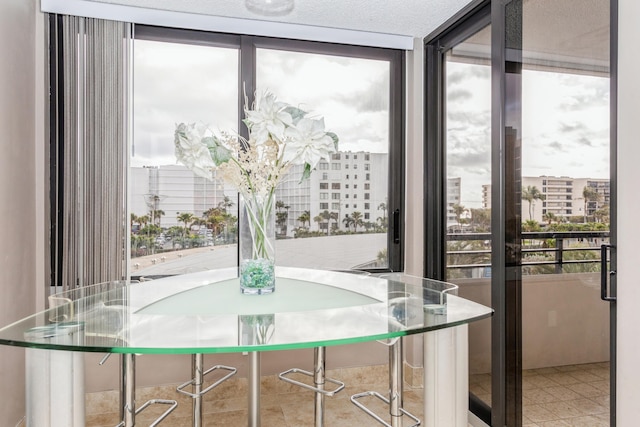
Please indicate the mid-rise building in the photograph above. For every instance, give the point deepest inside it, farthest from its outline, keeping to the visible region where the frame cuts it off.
(561, 197)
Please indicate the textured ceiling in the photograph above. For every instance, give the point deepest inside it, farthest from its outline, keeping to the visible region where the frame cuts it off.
(415, 18)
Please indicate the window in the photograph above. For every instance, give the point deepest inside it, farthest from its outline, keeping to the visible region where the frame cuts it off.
(319, 94)
(355, 157)
(367, 177)
(366, 166)
(366, 157)
(355, 186)
(367, 186)
(346, 186)
(346, 166)
(366, 196)
(355, 196)
(366, 215)
(367, 206)
(355, 166)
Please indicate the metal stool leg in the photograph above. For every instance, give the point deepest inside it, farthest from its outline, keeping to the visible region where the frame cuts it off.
(129, 392)
(319, 382)
(396, 411)
(197, 380)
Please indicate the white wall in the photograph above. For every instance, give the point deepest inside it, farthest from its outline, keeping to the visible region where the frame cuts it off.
(628, 349)
(21, 259)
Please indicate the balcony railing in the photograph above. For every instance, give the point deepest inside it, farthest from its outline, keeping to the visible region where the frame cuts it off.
(542, 252)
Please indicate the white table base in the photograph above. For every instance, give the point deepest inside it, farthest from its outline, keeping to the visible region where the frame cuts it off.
(446, 377)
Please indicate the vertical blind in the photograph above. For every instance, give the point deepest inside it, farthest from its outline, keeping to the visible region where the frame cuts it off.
(90, 59)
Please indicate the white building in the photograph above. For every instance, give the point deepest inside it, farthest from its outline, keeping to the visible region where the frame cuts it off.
(350, 182)
(561, 196)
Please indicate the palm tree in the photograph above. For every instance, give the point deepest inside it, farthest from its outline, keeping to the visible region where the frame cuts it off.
(318, 219)
(357, 220)
(530, 194)
(326, 217)
(157, 215)
(282, 217)
(383, 207)
(186, 218)
(133, 219)
(347, 220)
(335, 217)
(226, 203)
(590, 194)
(549, 217)
(458, 211)
(305, 217)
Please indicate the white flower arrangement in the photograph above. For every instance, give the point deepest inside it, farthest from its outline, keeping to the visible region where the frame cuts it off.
(280, 135)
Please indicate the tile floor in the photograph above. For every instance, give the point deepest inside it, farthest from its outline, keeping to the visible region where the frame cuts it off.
(283, 404)
(575, 395)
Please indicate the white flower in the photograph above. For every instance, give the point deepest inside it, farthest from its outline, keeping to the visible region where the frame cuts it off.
(280, 136)
(308, 143)
(191, 152)
(269, 118)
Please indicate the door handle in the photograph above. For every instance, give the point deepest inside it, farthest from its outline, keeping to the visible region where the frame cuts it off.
(605, 274)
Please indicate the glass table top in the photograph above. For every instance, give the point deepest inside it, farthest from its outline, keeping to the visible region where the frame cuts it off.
(206, 313)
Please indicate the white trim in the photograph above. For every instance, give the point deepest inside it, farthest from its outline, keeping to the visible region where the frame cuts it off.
(139, 15)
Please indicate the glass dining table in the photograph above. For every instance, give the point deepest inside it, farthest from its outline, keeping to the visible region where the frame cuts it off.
(205, 312)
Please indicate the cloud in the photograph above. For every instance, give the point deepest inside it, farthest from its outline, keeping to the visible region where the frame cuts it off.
(456, 95)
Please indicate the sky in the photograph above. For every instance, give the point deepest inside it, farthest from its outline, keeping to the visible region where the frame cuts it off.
(565, 126)
(176, 83)
(565, 116)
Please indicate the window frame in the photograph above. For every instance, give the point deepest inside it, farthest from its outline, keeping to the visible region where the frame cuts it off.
(247, 47)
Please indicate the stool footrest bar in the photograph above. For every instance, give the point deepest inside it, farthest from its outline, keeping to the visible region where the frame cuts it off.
(232, 372)
(372, 414)
(283, 377)
(173, 405)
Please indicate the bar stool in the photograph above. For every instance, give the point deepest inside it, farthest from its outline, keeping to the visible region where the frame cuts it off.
(319, 378)
(396, 356)
(64, 309)
(196, 382)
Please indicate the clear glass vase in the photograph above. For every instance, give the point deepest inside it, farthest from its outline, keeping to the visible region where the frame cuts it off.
(257, 244)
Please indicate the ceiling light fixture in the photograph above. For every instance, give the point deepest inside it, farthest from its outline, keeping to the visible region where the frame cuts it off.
(270, 7)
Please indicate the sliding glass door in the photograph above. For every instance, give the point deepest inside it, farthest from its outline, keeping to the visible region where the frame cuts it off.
(518, 154)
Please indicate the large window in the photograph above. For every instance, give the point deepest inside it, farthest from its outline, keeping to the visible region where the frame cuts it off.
(182, 223)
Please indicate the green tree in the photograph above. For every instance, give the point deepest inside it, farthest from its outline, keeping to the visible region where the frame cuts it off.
(481, 219)
(335, 217)
(318, 219)
(305, 218)
(589, 194)
(347, 221)
(531, 194)
(188, 219)
(458, 211)
(357, 220)
(550, 217)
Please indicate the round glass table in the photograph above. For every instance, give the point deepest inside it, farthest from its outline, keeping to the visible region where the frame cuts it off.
(205, 312)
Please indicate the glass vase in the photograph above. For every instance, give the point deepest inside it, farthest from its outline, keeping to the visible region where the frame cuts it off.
(257, 244)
